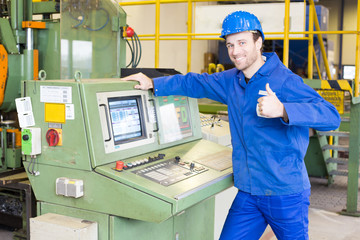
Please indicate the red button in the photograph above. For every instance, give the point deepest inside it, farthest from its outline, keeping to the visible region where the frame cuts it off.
(52, 137)
(119, 165)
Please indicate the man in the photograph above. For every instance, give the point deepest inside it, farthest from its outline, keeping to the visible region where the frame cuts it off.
(270, 113)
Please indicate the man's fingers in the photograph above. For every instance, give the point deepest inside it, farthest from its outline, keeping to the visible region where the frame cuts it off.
(134, 77)
(145, 83)
(128, 78)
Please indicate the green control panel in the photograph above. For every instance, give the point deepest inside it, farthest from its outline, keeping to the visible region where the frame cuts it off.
(127, 160)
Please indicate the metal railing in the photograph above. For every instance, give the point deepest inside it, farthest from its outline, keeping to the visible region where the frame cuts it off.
(189, 36)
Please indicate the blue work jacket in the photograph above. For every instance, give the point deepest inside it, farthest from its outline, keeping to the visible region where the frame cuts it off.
(268, 153)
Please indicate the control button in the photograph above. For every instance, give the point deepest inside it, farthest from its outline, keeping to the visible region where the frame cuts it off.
(25, 137)
(119, 166)
(198, 169)
(177, 160)
(129, 165)
(161, 156)
(52, 137)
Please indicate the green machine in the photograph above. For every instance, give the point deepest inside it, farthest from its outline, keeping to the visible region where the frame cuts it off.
(53, 40)
(94, 148)
(133, 163)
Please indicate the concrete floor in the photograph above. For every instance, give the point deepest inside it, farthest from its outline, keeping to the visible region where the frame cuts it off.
(323, 225)
(324, 221)
(5, 233)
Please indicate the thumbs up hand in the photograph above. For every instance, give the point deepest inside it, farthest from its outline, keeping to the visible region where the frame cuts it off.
(270, 106)
(268, 90)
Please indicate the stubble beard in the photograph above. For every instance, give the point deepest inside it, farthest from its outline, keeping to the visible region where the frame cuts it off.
(249, 61)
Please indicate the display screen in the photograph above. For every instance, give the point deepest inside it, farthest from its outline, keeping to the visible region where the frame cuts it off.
(175, 118)
(127, 119)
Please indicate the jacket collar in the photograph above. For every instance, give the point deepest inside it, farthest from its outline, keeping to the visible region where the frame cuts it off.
(271, 62)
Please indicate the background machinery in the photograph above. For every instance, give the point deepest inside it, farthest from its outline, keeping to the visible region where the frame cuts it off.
(93, 148)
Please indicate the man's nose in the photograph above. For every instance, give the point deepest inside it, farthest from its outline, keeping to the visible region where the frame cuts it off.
(237, 49)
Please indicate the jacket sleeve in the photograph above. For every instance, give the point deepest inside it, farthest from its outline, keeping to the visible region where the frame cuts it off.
(193, 85)
(305, 107)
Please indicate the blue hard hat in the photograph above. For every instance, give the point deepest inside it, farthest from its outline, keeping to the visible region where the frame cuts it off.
(240, 21)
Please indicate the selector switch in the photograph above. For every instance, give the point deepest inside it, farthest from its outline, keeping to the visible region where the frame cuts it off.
(177, 159)
(25, 137)
(52, 137)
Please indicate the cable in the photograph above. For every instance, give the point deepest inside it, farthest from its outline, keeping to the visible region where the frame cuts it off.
(107, 21)
(140, 49)
(132, 54)
(135, 46)
(33, 167)
(137, 50)
(80, 22)
(28, 168)
(72, 8)
(133, 40)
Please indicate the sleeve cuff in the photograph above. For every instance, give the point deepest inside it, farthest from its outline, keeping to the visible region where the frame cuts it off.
(285, 120)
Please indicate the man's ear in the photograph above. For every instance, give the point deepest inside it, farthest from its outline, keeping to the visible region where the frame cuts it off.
(259, 43)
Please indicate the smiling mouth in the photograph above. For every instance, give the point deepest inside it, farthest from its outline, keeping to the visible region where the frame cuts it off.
(238, 59)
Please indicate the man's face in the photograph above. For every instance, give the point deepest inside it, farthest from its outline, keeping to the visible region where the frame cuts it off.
(243, 51)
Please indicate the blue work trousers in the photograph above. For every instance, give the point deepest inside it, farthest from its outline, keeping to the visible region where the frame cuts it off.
(250, 214)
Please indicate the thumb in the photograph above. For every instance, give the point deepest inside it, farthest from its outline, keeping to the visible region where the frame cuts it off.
(268, 89)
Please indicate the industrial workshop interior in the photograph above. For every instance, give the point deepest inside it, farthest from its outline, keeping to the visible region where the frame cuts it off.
(86, 155)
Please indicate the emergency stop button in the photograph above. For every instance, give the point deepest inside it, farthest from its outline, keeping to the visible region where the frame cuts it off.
(52, 137)
(119, 165)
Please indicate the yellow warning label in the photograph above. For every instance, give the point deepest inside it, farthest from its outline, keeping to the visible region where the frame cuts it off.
(55, 112)
(334, 97)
